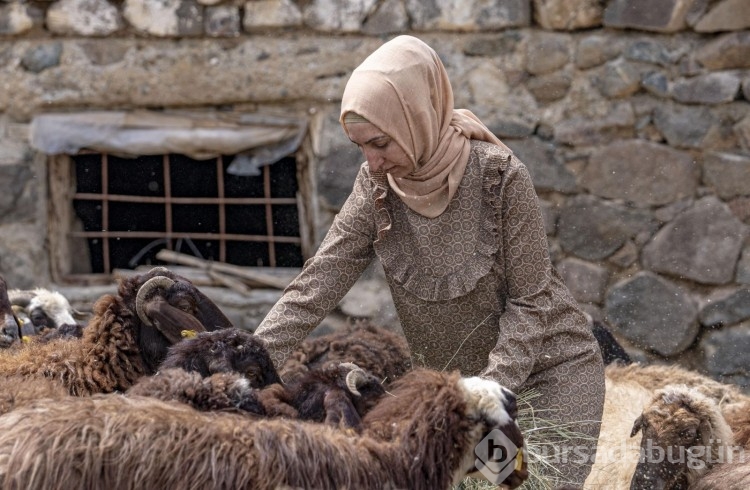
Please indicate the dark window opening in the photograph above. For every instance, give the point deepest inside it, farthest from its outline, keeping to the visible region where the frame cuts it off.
(130, 209)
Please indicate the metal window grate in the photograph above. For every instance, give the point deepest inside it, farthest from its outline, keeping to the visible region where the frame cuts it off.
(132, 208)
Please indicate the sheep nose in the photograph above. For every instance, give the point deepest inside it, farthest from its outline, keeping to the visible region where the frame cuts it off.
(511, 403)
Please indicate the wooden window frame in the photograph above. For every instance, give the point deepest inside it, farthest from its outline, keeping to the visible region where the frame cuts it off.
(65, 235)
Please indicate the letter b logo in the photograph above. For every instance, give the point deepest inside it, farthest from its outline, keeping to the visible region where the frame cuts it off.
(496, 456)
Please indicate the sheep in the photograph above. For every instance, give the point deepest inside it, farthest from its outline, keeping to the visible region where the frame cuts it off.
(684, 436)
(46, 309)
(127, 337)
(628, 389)
(423, 437)
(656, 376)
(380, 352)
(737, 416)
(223, 351)
(337, 394)
(226, 391)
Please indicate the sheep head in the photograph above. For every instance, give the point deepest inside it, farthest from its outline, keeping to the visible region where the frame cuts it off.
(224, 351)
(167, 304)
(466, 412)
(496, 407)
(352, 392)
(46, 309)
(684, 433)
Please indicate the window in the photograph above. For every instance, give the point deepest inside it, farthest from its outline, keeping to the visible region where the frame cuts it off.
(225, 187)
(109, 213)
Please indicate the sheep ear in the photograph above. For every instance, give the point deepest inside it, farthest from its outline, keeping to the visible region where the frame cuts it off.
(705, 429)
(339, 411)
(170, 321)
(637, 426)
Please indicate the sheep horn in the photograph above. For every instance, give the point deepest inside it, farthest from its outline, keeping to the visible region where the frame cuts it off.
(354, 378)
(148, 286)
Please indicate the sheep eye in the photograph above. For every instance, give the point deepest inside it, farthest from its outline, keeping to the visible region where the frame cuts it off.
(185, 305)
(687, 434)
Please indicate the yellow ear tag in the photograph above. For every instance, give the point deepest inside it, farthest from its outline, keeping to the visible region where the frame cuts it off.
(519, 460)
(188, 334)
(25, 339)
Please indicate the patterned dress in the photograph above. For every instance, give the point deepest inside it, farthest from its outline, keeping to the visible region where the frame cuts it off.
(474, 289)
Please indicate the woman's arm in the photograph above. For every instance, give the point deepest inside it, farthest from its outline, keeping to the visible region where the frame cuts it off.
(528, 279)
(344, 254)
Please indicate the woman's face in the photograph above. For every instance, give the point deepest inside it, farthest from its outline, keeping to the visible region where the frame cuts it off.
(381, 151)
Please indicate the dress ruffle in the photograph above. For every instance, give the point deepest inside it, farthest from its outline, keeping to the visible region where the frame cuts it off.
(493, 161)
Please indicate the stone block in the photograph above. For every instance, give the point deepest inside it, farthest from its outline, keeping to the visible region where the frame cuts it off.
(702, 244)
(647, 15)
(653, 313)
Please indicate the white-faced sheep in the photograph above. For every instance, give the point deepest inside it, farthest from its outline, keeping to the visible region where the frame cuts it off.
(126, 339)
(421, 438)
(335, 394)
(381, 352)
(45, 308)
(684, 437)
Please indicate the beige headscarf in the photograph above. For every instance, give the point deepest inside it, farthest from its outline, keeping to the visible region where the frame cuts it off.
(404, 90)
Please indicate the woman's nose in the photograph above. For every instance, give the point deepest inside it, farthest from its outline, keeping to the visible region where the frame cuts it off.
(374, 161)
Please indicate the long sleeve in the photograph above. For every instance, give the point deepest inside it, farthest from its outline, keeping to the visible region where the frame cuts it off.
(344, 254)
(529, 282)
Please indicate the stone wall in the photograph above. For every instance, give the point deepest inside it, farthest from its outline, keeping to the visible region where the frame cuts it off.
(632, 116)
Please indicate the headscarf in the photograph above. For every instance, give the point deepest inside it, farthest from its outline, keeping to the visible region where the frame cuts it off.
(404, 90)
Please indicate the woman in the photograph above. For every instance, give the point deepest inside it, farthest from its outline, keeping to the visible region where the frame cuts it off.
(454, 219)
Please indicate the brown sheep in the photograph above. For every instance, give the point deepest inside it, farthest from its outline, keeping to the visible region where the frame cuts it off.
(628, 389)
(380, 352)
(684, 436)
(126, 339)
(422, 438)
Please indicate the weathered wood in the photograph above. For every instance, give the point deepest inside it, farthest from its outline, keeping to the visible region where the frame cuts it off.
(247, 274)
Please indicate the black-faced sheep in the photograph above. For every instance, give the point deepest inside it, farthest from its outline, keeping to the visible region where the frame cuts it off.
(422, 438)
(684, 436)
(224, 351)
(126, 339)
(380, 352)
(337, 394)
